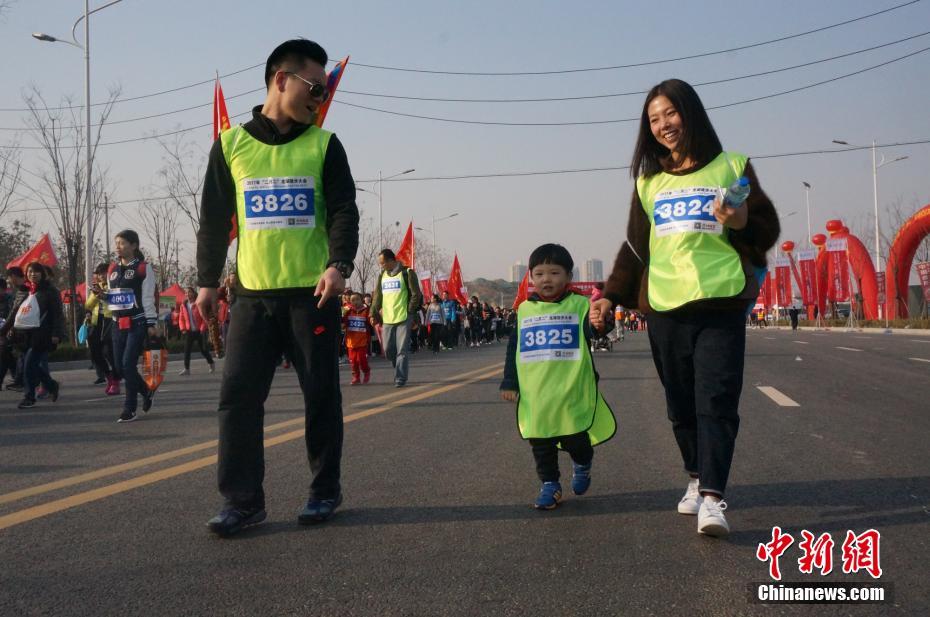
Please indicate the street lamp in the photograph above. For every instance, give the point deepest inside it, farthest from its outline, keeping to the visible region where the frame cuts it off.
(433, 229)
(89, 227)
(381, 202)
(878, 255)
(807, 198)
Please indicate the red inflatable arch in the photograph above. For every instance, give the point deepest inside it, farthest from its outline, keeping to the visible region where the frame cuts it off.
(900, 259)
(862, 267)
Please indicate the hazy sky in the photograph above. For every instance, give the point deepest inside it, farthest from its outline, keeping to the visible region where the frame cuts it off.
(148, 46)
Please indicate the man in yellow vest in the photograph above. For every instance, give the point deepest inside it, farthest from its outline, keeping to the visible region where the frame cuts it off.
(289, 187)
(395, 303)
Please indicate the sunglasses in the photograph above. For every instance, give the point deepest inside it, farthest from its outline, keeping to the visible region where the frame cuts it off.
(317, 91)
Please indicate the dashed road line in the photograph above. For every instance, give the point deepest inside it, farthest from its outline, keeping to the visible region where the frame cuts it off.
(849, 349)
(802, 342)
(780, 398)
(919, 359)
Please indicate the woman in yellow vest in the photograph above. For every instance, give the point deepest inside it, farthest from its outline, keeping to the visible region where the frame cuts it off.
(687, 265)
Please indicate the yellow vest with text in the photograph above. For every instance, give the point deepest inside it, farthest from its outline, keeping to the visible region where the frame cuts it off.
(280, 209)
(555, 371)
(690, 255)
(395, 297)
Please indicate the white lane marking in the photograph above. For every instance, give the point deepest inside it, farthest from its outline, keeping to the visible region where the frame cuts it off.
(802, 342)
(919, 359)
(779, 398)
(849, 348)
(818, 334)
(914, 340)
(863, 338)
(771, 338)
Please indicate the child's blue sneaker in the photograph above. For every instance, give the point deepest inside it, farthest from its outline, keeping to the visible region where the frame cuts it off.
(581, 478)
(549, 496)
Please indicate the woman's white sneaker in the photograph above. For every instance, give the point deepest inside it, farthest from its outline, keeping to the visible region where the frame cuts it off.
(711, 520)
(691, 502)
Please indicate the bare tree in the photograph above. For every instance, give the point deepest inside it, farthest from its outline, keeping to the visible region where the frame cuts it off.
(366, 259)
(61, 136)
(10, 170)
(159, 222)
(181, 175)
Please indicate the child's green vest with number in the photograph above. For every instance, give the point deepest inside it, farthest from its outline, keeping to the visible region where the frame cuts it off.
(558, 386)
(394, 297)
(690, 255)
(280, 209)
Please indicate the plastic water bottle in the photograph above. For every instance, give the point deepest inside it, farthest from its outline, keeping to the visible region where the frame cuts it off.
(737, 193)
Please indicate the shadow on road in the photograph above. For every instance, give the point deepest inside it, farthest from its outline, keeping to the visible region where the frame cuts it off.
(879, 502)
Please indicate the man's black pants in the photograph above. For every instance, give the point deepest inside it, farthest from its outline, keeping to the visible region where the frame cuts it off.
(260, 330)
(699, 356)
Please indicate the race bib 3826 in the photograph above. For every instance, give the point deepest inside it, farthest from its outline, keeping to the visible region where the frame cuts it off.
(274, 203)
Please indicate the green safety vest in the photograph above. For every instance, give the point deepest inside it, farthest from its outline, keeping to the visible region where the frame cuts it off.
(690, 255)
(558, 386)
(395, 297)
(280, 209)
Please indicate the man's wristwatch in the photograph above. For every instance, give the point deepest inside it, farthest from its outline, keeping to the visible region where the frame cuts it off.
(345, 268)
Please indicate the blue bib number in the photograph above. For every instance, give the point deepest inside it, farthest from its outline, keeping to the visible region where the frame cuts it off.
(121, 299)
(550, 337)
(272, 203)
(357, 324)
(685, 210)
(390, 286)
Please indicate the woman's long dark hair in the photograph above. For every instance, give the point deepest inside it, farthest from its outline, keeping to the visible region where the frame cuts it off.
(132, 238)
(698, 140)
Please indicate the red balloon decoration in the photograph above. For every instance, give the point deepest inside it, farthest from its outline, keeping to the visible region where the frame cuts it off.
(834, 225)
(819, 239)
(787, 246)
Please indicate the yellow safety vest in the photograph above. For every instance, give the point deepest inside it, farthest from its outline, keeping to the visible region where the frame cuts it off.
(280, 209)
(690, 255)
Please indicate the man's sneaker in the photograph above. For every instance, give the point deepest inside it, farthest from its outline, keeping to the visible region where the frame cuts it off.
(26, 403)
(184, 371)
(711, 520)
(231, 521)
(366, 377)
(127, 416)
(54, 390)
(399, 384)
(212, 367)
(549, 496)
(691, 501)
(318, 510)
(41, 392)
(15, 387)
(100, 380)
(147, 397)
(581, 478)
(355, 381)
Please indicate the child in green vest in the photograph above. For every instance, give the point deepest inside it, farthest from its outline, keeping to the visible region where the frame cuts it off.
(549, 373)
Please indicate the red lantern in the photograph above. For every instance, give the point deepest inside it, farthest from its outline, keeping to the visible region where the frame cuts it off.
(787, 246)
(819, 239)
(834, 225)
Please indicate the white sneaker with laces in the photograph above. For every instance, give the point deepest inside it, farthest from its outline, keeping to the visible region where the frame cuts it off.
(184, 371)
(711, 520)
(691, 501)
(212, 368)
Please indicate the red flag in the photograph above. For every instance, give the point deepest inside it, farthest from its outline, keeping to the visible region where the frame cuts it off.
(838, 269)
(456, 287)
(220, 115)
(426, 284)
(523, 291)
(42, 252)
(220, 124)
(405, 254)
(807, 282)
(332, 82)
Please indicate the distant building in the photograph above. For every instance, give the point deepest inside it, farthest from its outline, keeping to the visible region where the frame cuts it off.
(517, 271)
(575, 275)
(592, 270)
